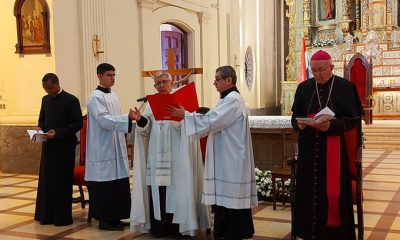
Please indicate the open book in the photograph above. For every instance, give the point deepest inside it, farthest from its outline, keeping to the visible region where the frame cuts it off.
(37, 136)
(185, 96)
(324, 115)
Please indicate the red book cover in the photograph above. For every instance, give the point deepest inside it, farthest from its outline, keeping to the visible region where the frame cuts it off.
(186, 96)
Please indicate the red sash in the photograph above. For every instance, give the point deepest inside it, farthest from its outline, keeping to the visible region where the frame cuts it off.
(332, 178)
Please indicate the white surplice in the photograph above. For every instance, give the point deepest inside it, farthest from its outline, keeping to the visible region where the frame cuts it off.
(106, 154)
(163, 158)
(229, 178)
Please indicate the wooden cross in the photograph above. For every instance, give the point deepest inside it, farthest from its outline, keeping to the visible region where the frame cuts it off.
(171, 68)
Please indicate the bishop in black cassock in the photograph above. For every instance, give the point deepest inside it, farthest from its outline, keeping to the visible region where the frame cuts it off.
(61, 117)
(323, 200)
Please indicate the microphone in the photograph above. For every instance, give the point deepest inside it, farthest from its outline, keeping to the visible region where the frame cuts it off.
(142, 99)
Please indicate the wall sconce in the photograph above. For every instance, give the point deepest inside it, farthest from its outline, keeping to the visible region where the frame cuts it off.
(235, 61)
(96, 45)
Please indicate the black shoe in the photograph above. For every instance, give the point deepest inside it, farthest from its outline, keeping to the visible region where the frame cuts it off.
(159, 234)
(107, 226)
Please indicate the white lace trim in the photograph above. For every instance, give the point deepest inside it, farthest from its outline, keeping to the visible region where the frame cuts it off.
(270, 122)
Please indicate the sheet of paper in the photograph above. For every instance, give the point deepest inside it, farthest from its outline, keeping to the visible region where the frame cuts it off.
(325, 111)
(39, 135)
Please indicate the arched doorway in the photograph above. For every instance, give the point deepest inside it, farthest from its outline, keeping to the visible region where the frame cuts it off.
(175, 38)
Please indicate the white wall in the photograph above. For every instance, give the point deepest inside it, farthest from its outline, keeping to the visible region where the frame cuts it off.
(66, 47)
(124, 49)
(252, 23)
(269, 84)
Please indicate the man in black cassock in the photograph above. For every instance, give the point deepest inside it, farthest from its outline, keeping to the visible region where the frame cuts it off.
(60, 118)
(323, 198)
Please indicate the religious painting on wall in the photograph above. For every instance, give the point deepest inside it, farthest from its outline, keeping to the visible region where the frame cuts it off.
(327, 9)
(32, 26)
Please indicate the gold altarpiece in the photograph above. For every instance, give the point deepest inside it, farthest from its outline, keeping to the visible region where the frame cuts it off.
(343, 28)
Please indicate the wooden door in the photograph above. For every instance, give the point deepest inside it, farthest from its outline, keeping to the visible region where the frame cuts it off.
(174, 40)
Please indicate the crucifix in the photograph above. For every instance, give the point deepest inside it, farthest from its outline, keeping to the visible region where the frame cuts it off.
(186, 72)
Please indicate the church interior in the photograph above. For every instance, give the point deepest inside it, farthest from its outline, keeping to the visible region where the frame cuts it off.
(261, 39)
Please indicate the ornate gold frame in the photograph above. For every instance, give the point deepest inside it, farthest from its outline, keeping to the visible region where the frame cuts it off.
(23, 45)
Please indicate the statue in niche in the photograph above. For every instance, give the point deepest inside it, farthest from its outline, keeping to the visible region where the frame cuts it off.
(327, 9)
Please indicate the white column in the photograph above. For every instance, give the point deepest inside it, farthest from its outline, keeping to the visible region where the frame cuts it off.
(93, 21)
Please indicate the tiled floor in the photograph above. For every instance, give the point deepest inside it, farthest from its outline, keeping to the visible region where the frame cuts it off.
(381, 208)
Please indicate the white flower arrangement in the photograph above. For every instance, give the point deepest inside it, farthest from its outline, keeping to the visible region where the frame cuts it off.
(264, 184)
(324, 42)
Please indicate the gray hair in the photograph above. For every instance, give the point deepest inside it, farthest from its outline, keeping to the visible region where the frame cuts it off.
(160, 74)
(227, 71)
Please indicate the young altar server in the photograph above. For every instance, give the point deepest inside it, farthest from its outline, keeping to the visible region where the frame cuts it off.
(107, 168)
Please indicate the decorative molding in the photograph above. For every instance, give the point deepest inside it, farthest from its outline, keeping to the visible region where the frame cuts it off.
(290, 59)
(270, 122)
(150, 4)
(192, 5)
(306, 12)
(358, 15)
(17, 119)
(204, 17)
(288, 91)
(346, 9)
(389, 11)
(306, 20)
(364, 14)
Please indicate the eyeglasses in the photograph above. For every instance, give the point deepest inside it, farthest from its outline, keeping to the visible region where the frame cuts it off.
(217, 79)
(164, 82)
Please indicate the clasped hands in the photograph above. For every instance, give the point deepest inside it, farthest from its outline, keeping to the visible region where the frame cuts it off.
(134, 114)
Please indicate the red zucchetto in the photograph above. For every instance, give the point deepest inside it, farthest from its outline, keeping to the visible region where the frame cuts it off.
(320, 55)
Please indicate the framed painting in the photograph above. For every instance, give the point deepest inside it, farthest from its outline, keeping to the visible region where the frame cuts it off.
(32, 26)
